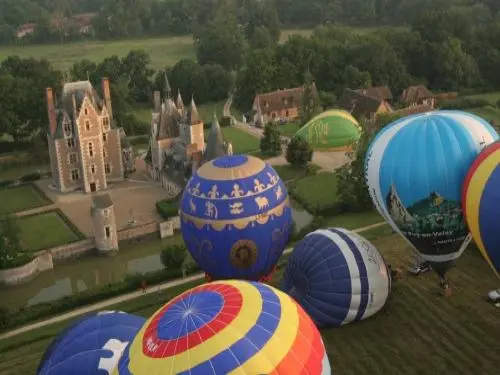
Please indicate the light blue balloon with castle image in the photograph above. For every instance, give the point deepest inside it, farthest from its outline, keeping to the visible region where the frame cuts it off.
(415, 169)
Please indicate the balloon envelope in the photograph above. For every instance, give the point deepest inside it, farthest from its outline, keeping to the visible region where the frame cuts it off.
(92, 345)
(481, 201)
(331, 129)
(236, 217)
(227, 327)
(337, 276)
(415, 170)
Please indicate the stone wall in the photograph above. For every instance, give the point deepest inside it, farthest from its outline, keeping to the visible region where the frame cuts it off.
(137, 231)
(72, 250)
(19, 275)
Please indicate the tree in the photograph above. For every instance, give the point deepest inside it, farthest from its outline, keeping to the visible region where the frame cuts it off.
(173, 256)
(221, 41)
(351, 182)
(10, 242)
(310, 105)
(270, 143)
(299, 152)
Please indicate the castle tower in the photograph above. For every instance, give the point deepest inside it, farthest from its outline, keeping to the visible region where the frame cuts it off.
(194, 128)
(104, 224)
(179, 103)
(215, 143)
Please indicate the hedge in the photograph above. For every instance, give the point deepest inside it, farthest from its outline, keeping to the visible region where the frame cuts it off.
(464, 103)
(167, 208)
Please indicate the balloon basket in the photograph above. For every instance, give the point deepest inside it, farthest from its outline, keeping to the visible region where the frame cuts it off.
(446, 288)
(207, 278)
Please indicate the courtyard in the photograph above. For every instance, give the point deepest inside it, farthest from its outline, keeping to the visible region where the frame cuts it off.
(134, 203)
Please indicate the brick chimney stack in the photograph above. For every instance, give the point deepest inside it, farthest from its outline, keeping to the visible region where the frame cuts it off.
(51, 111)
(106, 92)
(157, 101)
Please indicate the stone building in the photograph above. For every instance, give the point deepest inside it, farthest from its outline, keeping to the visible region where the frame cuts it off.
(85, 144)
(177, 141)
(104, 224)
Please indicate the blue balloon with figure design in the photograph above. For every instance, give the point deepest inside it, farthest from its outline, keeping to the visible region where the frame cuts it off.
(236, 218)
(415, 170)
(91, 346)
(337, 276)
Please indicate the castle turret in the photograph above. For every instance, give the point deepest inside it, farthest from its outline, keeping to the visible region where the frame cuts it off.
(193, 116)
(167, 91)
(215, 142)
(179, 103)
(104, 224)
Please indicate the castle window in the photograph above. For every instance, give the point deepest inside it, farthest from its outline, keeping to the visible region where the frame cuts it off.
(105, 122)
(92, 168)
(71, 143)
(107, 230)
(75, 174)
(106, 212)
(104, 153)
(72, 159)
(87, 125)
(86, 111)
(104, 137)
(67, 128)
(91, 149)
(107, 168)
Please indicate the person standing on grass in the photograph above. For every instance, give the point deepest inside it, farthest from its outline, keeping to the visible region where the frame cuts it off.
(420, 265)
(143, 286)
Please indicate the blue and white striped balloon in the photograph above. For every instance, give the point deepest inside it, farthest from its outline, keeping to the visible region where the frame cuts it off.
(415, 169)
(337, 276)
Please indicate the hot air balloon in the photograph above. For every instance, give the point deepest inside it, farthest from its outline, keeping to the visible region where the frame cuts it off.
(333, 129)
(337, 276)
(92, 345)
(415, 169)
(236, 217)
(227, 327)
(481, 202)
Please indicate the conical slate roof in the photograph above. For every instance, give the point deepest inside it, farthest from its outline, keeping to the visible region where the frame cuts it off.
(193, 115)
(215, 143)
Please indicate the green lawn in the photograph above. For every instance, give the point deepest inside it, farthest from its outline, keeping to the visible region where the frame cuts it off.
(288, 172)
(165, 51)
(44, 231)
(488, 113)
(21, 198)
(14, 173)
(289, 130)
(242, 141)
(316, 192)
(492, 97)
(418, 333)
(354, 220)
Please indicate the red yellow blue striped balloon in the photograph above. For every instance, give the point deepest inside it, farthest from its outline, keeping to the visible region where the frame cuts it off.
(227, 327)
(481, 203)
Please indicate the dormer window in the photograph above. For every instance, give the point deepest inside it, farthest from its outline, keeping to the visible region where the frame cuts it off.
(86, 111)
(105, 123)
(67, 128)
(87, 125)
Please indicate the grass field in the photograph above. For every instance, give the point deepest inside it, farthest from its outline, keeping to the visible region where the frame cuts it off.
(288, 172)
(492, 97)
(488, 113)
(289, 130)
(164, 51)
(14, 173)
(316, 192)
(21, 198)
(242, 142)
(44, 231)
(418, 333)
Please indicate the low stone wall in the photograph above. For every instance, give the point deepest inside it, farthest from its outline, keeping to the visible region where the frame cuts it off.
(138, 231)
(19, 275)
(72, 250)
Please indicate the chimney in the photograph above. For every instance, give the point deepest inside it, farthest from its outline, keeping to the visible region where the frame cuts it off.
(157, 101)
(51, 110)
(106, 93)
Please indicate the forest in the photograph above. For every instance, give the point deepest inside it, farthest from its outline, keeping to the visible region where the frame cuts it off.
(117, 19)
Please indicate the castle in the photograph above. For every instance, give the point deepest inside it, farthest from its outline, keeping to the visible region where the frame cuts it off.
(177, 143)
(87, 150)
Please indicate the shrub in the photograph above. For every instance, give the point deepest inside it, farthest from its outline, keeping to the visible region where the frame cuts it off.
(225, 121)
(30, 177)
(167, 208)
(6, 183)
(299, 152)
(270, 143)
(464, 103)
(173, 256)
(139, 140)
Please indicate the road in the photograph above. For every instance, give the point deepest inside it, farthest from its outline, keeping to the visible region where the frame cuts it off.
(126, 297)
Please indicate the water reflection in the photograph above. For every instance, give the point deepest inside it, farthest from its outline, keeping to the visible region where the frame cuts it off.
(92, 272)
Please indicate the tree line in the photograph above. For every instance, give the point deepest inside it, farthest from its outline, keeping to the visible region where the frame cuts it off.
(129, 18)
